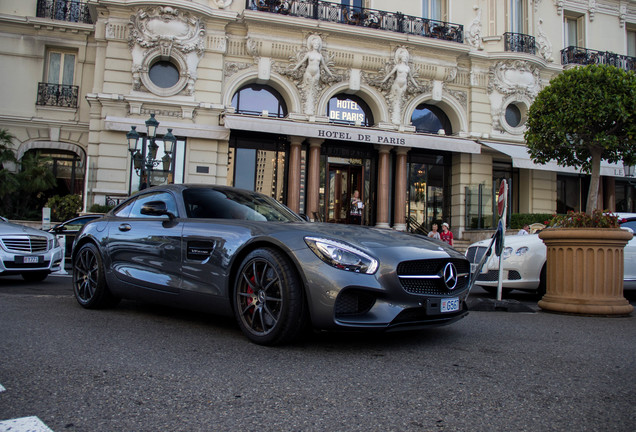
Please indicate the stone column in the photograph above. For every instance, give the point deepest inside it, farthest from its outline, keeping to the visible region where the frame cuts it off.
(293, 182)
(313, 178)
(383, 187)
(400, 189)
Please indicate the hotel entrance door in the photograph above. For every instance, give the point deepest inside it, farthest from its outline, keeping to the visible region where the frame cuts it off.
(343, 181)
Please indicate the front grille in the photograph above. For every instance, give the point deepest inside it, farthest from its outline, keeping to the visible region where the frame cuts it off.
(475, 253)
(493, 276)
(425, 276)
(353, 302)
(25, 244)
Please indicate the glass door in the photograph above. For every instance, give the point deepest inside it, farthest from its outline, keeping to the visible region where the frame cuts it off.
(343, 183)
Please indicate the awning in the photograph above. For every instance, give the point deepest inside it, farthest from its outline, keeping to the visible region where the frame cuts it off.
(521, 159)
(351, 133)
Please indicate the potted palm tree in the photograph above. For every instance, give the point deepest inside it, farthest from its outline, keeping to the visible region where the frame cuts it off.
(585, 115)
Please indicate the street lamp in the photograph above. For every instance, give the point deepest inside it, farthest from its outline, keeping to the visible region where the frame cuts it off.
(144, 160)
(630, 173)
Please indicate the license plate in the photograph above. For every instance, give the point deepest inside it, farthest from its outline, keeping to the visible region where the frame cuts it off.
(30, 260)
(449, 305)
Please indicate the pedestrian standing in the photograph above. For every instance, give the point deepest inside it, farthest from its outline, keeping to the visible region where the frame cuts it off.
(433, 233)
(446, 235)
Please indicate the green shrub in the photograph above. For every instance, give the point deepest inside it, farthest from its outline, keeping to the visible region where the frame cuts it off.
(518, 220)
(63, 208)
(100, 208)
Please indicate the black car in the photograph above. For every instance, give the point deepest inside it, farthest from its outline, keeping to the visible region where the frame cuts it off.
(233, 251)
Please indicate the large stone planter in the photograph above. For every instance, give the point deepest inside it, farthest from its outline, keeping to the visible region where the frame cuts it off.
(585, 271)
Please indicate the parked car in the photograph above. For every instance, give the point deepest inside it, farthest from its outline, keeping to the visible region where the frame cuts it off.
(231, 251)
(27, 251)
(524, 259)
(70, 228)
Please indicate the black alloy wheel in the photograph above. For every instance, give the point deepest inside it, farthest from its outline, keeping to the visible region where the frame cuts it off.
(268, 299)
(89, 282)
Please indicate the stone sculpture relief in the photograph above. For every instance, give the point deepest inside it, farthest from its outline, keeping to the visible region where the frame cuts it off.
(311, 62)
(473, 35)
(543, 43)
(402, 80)
(166, 32)
(222, 4)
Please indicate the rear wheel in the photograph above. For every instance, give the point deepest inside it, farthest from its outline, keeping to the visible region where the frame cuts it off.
(89, 281)
(268, 299)
(34, 276)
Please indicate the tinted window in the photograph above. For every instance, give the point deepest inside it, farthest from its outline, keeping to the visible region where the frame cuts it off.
(163, 74)
(430, 119)
(231, 204)
(629, 224)
(254, 99)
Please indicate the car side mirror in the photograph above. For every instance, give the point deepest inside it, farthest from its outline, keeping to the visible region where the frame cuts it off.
(304, 217)
(156, 208)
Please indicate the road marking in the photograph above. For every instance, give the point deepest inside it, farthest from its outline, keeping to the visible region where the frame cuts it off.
(24, 424)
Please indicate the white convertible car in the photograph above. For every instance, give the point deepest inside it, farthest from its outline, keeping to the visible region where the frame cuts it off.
(524, 261)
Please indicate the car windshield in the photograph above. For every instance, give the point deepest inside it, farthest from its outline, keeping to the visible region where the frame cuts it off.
(234, 204)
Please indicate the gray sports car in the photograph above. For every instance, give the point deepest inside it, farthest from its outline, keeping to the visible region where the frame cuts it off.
(232, 251)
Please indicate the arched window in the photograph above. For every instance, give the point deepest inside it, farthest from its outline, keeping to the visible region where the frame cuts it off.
(255, 98)
(348, 109)
(430, 119)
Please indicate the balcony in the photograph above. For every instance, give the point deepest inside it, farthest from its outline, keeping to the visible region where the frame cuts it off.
(64, 10)
(57, 95)
(519, 42)
(584, 56)
(361, 17)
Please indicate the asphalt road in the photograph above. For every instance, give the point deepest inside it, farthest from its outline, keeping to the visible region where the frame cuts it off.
(145, 368)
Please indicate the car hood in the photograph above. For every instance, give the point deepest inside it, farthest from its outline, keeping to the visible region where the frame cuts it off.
(9, 228)
(513, 240)
(375, 240)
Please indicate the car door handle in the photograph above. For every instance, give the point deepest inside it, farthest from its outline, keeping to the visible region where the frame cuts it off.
(124, 227)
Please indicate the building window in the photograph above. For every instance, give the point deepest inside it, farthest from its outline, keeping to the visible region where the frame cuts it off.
(431, 119)
(573, 30)
(631, 41)
(434, 9)
(572, 193)
(428, 198)
(516, 16)
(164, 74)
(256, 99)
(58, 89)
(348, 109)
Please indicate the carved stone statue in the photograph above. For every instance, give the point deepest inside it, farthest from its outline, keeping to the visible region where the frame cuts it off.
(315, 63)
(403, 76)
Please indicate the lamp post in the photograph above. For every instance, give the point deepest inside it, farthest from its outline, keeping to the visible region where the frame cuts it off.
(144, 160)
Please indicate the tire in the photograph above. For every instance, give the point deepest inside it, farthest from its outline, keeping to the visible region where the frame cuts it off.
(89, 281)
(34, 276)
(268, 299)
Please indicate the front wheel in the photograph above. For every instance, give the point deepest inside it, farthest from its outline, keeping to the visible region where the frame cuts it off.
(268, 299)
(89, 281)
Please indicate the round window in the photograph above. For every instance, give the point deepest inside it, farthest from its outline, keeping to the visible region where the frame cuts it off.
(513, 115)
(164, 74)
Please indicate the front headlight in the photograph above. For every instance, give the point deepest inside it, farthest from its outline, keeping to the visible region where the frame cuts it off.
(522, 250)
(506, 253)
(342, 256)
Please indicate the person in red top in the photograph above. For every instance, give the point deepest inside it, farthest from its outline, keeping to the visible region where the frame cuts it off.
(446, 235)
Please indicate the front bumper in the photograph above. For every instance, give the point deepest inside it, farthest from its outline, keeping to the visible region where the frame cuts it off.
(16, 263)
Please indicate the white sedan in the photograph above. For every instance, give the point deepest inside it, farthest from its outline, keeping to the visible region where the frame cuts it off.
(524, 258)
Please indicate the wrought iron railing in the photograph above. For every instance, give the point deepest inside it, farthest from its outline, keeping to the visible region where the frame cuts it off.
(519, 42)
(59, 95)
(584, 56)
(364, 17)
(64, 10)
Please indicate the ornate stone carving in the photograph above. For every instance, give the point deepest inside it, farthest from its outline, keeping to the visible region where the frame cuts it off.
(460, 96)
(473, 35)
(169, 34)
(310, 63)
(543, 43)
(222, 4)
(233, 67)
(559, 6)
(592, 9)
(510, 77)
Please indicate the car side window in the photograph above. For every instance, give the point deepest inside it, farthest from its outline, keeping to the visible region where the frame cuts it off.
(171, 206)
(629, 224)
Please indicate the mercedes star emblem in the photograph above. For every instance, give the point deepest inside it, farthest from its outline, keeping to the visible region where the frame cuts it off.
(450, 276)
